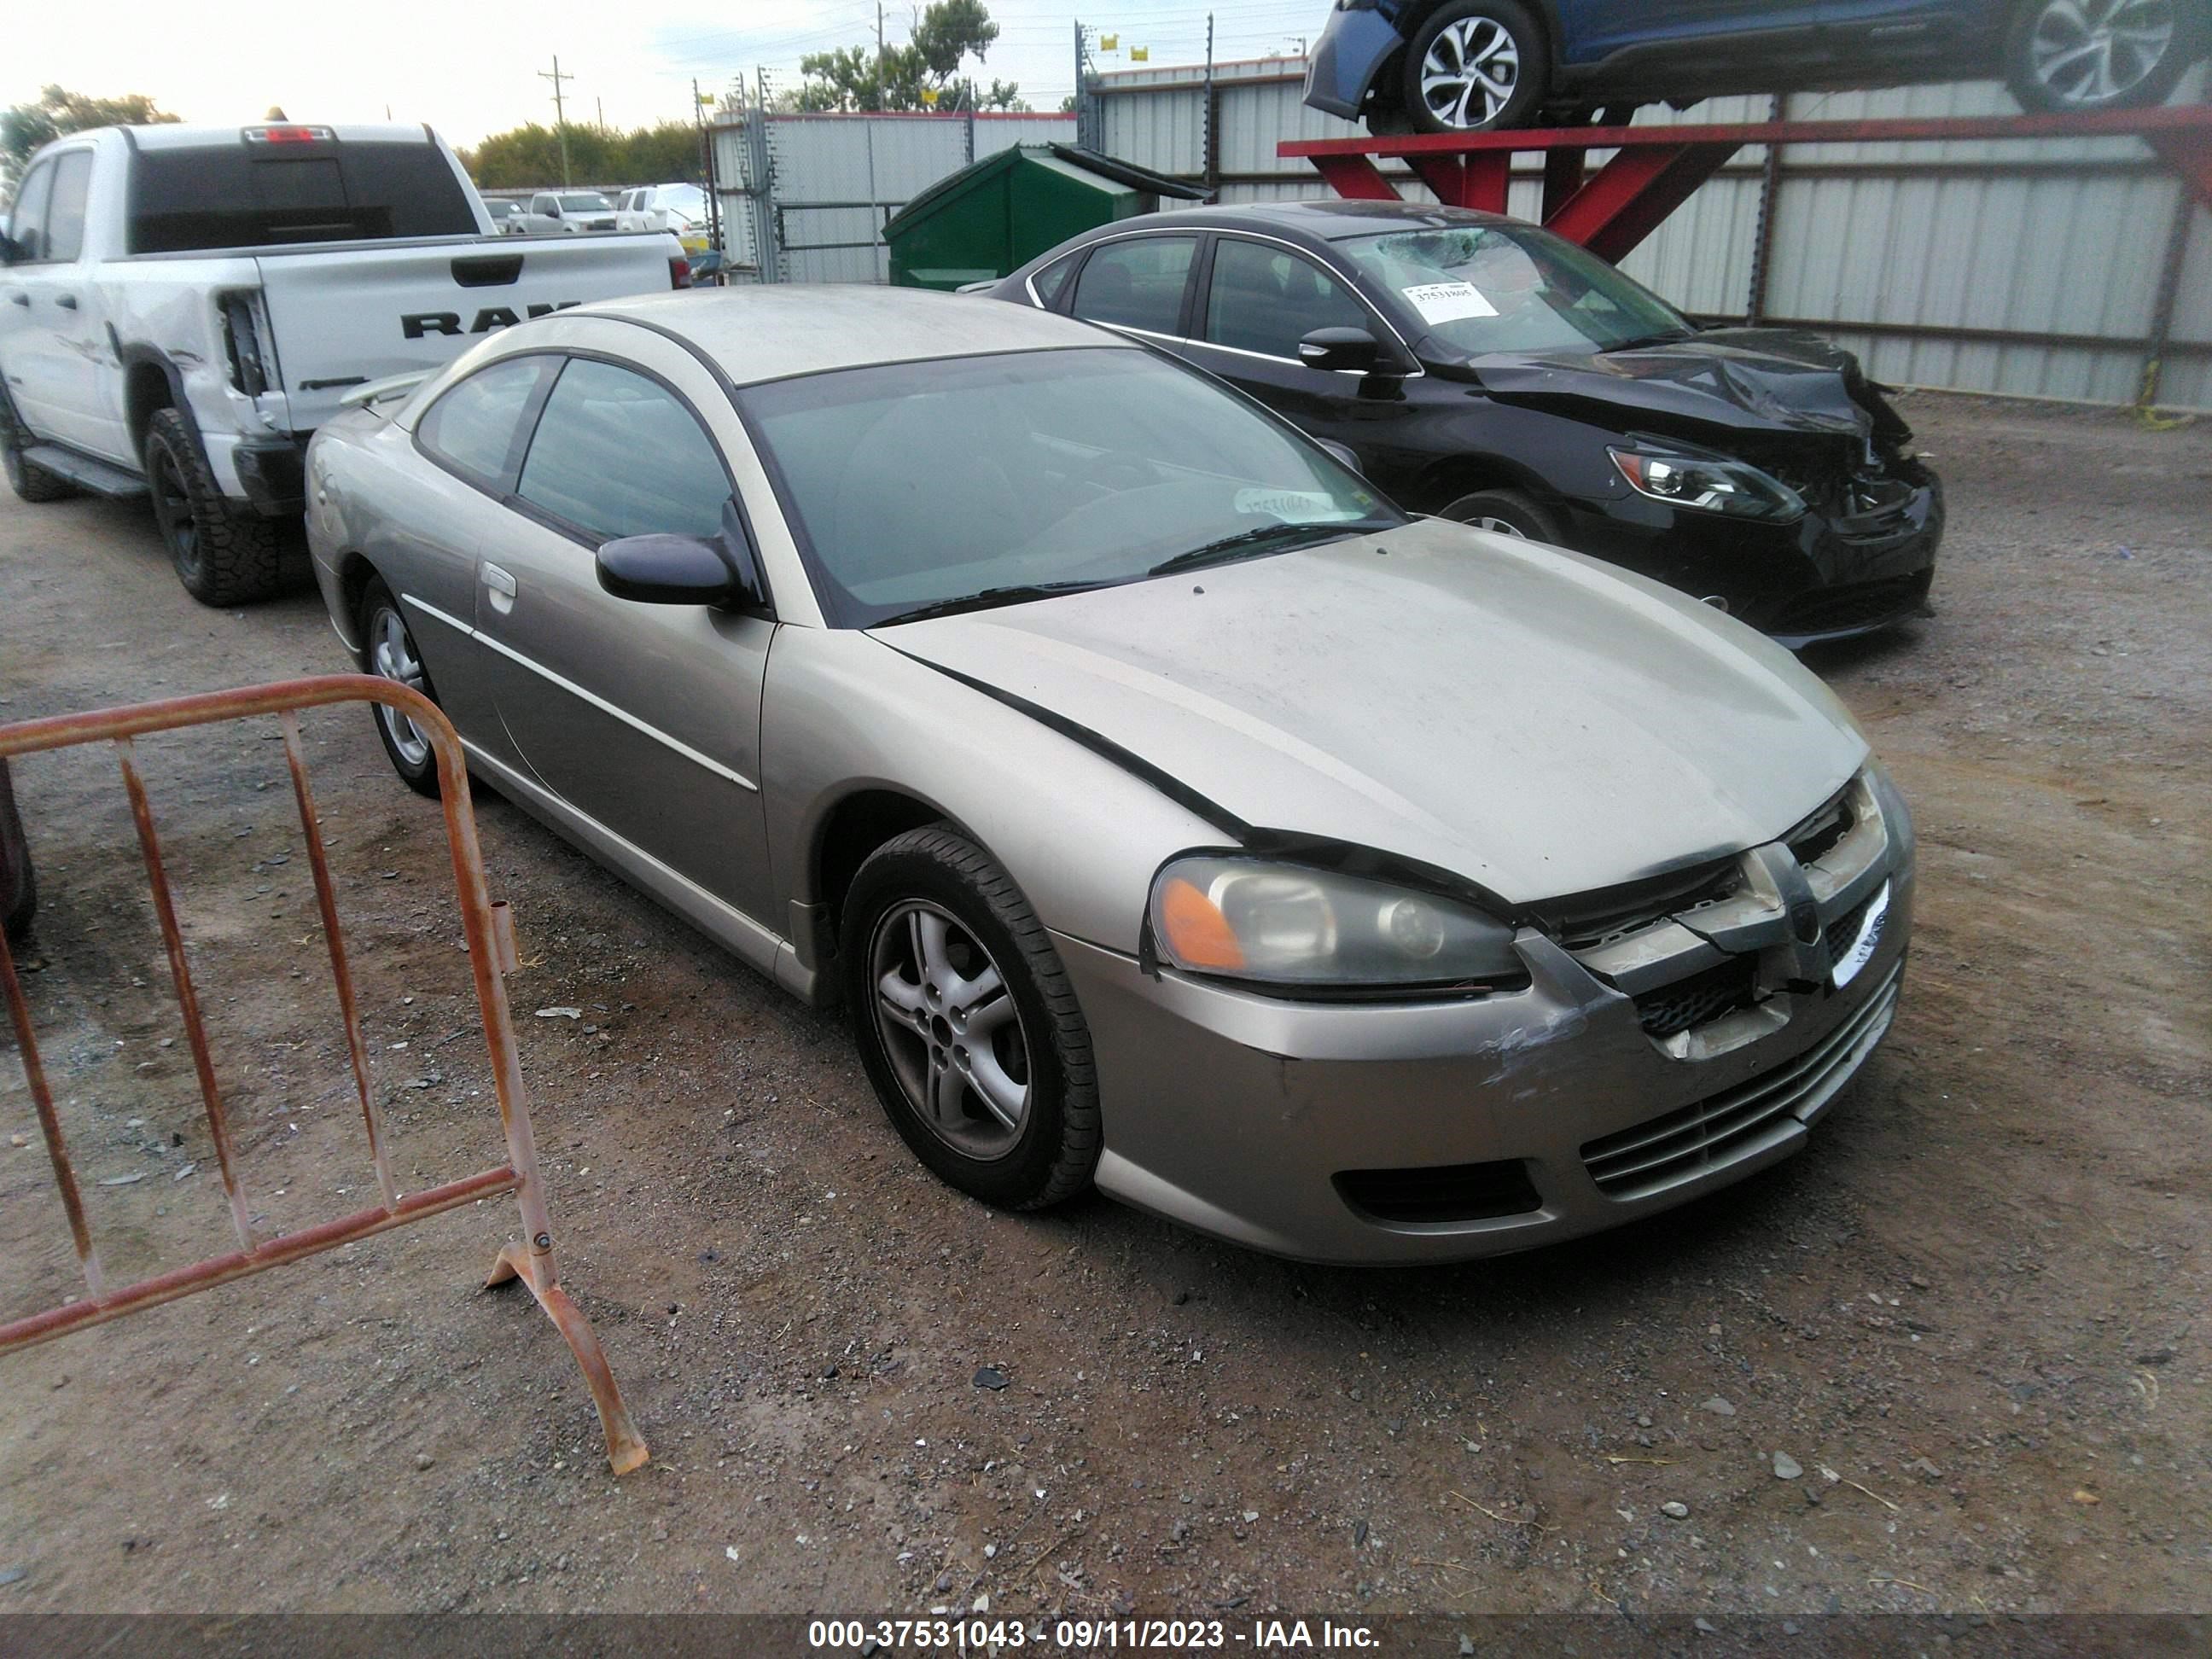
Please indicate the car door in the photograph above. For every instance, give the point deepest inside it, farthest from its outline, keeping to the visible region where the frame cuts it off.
(1256, 301)
(433, 522)
(1685, 32)
(74, 361)
(1139, 285)
(1897, 34)
(643, 718)
(29, 335)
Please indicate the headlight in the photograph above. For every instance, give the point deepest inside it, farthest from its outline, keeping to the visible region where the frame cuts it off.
(1284, 924)
(1711, 483)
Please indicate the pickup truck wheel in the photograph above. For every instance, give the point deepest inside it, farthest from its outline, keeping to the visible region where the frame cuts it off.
(223, 556)
(392, 654)
(30, 481)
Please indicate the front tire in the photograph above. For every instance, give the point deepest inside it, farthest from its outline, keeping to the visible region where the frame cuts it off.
(223, 556)
(966, 1022)
(393, 655)
(1506, 513)
(1475, 66)
(2071, 56)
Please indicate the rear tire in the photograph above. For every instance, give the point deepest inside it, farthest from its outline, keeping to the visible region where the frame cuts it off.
(30, 481)
(1475, 66)
(966, 1023)
(1507, 513)
(393, 655)
(223, 556)
(2054, 64)
(19, 884)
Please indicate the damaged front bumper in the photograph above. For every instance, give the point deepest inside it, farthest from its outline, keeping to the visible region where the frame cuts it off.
(1822, 577)
(1448, 1130)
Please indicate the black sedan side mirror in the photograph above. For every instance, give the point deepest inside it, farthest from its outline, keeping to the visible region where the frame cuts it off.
(1352, 349)
(665, 569)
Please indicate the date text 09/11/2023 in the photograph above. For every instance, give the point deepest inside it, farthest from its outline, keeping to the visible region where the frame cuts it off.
(1085, 1635)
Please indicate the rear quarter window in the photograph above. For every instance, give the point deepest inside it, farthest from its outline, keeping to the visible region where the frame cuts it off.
(234, 196)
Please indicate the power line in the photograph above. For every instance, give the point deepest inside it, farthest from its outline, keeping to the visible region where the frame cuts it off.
(560, 112)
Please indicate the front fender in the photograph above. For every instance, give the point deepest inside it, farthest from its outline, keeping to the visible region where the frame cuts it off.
(1081, 836)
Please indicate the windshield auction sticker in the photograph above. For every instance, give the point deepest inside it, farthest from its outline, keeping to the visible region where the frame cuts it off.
(1447, 302)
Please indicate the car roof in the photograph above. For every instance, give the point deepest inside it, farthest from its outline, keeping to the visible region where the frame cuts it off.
(769, 332)
(1329, 221)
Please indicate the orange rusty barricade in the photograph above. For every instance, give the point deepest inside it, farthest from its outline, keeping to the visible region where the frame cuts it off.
(491, 952)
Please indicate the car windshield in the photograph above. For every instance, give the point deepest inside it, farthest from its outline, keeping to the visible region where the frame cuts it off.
(1507, 288)
(499, 210)
(584, 203)
(928, 487)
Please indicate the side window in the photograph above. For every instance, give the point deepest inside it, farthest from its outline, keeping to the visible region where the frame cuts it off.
(28, 226)
(1266, 299)
(476, 425)
(1052, 278)
(616, 454)
(1137, 283)
(65, 211)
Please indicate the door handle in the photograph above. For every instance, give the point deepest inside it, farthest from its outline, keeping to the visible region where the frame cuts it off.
(66, 302)
(18, 296)
(499, 585)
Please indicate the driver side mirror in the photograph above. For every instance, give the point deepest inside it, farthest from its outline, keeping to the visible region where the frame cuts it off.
(669, 570)
(1350, 348)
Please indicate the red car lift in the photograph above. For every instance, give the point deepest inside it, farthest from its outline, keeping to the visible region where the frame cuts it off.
(1655, 169)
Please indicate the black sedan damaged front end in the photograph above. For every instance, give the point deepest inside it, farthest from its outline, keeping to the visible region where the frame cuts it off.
(1758, 469)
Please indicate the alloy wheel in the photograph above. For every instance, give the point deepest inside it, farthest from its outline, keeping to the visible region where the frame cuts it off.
(392, 653)
(1501, 527)
(1470, 72)
(949, 1026)
(2089, 52)
(173, 509)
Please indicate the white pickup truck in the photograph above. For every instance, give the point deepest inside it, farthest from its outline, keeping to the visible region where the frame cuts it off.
(181, 307)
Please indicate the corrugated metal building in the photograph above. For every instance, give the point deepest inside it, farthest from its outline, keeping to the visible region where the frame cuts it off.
(805, 198)
(2032, 269)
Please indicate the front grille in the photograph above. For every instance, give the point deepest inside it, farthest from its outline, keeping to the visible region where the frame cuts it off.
(1834, 609)
(1737, 1123)
(1456, 1192)
(1844, 931)
(1688, 1003)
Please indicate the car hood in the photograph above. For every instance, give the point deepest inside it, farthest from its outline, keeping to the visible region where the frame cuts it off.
(1527, 719)
(1739, 380)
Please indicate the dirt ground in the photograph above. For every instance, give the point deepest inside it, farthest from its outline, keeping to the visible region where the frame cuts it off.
(1972, 1312)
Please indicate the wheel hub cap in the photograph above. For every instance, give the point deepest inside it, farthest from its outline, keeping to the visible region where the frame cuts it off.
(950, 1028)
(1470, 72)
(2090, 51)
(392, 653)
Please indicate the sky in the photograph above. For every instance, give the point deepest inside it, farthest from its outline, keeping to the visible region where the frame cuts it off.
(473, 69)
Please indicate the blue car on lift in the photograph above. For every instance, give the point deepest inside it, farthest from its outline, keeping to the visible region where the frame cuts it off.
(1470, 66)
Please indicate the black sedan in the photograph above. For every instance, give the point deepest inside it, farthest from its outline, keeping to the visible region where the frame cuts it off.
(1479, 368)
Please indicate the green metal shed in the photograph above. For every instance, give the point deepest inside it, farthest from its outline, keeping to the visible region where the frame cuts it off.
(998, 213)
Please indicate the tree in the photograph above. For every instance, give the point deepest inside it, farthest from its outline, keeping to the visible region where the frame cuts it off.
(530, 155)
(27, 126)
(896, 77)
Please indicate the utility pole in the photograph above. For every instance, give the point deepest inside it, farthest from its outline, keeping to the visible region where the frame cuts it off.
(560, 112)
(879, 54)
